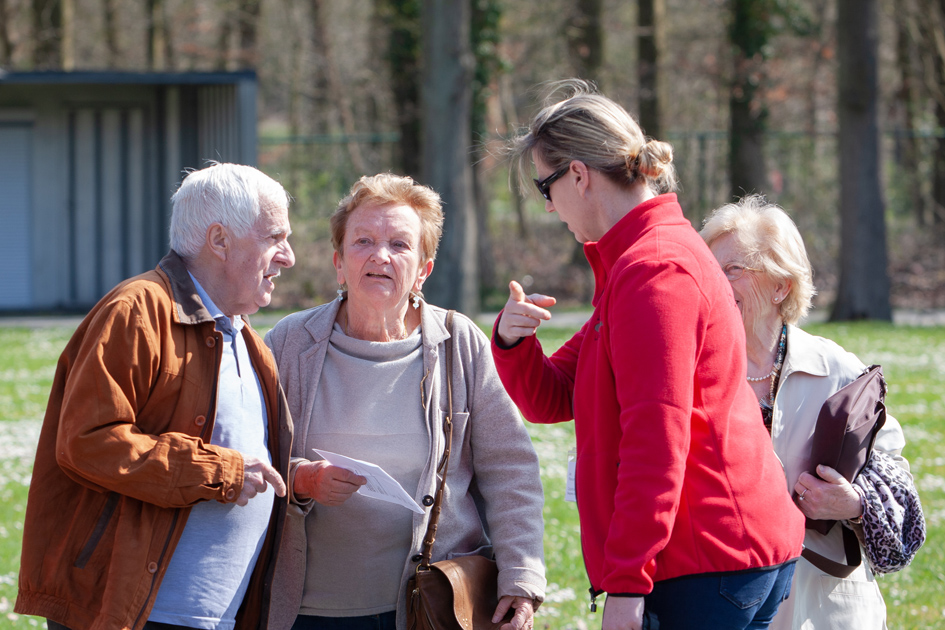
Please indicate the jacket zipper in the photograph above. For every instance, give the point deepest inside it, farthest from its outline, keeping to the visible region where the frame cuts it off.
(594, 593)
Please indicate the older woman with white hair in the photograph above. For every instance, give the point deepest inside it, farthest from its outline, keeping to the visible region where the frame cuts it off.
(792, 373)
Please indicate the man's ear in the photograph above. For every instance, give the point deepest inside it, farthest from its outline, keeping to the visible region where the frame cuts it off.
(218, 240)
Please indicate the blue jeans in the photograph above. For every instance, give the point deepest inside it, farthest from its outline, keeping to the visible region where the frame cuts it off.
(742, 600)
(383, 621)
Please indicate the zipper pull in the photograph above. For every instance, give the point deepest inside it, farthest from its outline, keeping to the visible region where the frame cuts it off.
(593, 605)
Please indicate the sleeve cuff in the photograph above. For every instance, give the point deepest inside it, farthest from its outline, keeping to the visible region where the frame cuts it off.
(497, 341)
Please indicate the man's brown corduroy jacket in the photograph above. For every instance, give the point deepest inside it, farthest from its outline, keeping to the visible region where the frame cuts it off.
(124, 453)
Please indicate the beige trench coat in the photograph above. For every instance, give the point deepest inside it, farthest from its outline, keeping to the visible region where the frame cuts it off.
(815, 368)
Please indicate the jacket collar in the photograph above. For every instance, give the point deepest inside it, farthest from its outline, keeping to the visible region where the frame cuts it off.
(189, 308)
(432, 322)
(803, 354)
(603, 254)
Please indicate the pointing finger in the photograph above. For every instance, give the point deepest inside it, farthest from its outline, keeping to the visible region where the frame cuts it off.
(516, 292)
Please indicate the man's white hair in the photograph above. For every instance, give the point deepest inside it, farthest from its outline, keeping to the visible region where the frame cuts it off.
(228, 194)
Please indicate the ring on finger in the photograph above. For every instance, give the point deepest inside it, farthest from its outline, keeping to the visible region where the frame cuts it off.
(801, 498)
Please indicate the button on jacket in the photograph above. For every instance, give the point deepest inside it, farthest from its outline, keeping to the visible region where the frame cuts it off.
(124, 453)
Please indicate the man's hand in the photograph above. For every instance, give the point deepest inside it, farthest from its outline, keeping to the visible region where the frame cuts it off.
(327, 484)
(257, 476)
(524, 617)
(623, 613)
(522, 314)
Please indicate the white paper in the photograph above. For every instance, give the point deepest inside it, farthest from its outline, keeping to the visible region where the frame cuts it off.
(380, 485)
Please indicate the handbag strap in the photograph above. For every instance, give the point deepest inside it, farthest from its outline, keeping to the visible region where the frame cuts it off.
(430, 537)
(851, 547)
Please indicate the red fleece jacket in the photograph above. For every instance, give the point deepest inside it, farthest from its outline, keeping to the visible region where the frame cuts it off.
(675, 471)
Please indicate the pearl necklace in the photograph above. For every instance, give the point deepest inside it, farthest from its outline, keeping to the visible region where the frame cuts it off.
(758, 379)
(778, 360)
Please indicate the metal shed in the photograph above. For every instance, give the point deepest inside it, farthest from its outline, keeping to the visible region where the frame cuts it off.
(88, 163)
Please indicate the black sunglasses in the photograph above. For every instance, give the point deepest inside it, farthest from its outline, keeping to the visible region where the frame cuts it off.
(544, 185)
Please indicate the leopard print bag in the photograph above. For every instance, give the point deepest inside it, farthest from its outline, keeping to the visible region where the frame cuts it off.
(893, 523)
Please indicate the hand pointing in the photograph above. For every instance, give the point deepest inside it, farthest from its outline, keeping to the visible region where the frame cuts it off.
(522, 314)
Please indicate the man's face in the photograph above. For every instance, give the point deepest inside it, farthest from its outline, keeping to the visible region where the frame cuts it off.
(256, 259)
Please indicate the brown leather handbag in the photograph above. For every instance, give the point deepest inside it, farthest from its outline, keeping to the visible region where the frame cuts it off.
(843, 439)
(457, 594)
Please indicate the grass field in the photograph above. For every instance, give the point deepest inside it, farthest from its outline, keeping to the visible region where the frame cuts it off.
(913, 360)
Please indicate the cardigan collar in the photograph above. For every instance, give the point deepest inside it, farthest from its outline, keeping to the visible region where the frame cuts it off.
(603, 254)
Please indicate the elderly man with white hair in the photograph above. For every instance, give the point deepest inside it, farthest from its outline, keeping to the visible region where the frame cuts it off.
(165, 426)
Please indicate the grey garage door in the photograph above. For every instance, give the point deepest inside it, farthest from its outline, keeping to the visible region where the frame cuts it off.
(15, 234)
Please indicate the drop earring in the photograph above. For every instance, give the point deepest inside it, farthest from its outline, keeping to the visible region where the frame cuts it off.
(341, 294)
(416, 300)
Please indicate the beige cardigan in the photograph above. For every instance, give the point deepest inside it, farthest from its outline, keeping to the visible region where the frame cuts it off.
(492, 508)
(815, 368)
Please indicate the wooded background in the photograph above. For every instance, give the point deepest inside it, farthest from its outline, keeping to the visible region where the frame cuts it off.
(834, 109)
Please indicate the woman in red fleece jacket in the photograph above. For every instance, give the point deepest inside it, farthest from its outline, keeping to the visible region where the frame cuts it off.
(683, 508)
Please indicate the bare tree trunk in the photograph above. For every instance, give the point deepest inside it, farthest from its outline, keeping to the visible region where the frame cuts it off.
(170, 61)
(585, 38)
(336, 92)
(47, 35)
(484, 42)
(907, 95)
(247, 25)
(6, 43)
(485, 255)
(938, 173)
(295, 101)
(747, 170)
(510, 116)
(223, 41)
(446, 96)
(109, 15)
(648, 66)
(403, 58)
(864, 281)
(157, 35)
(926, 29)
(68, 35)
(821, 43)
